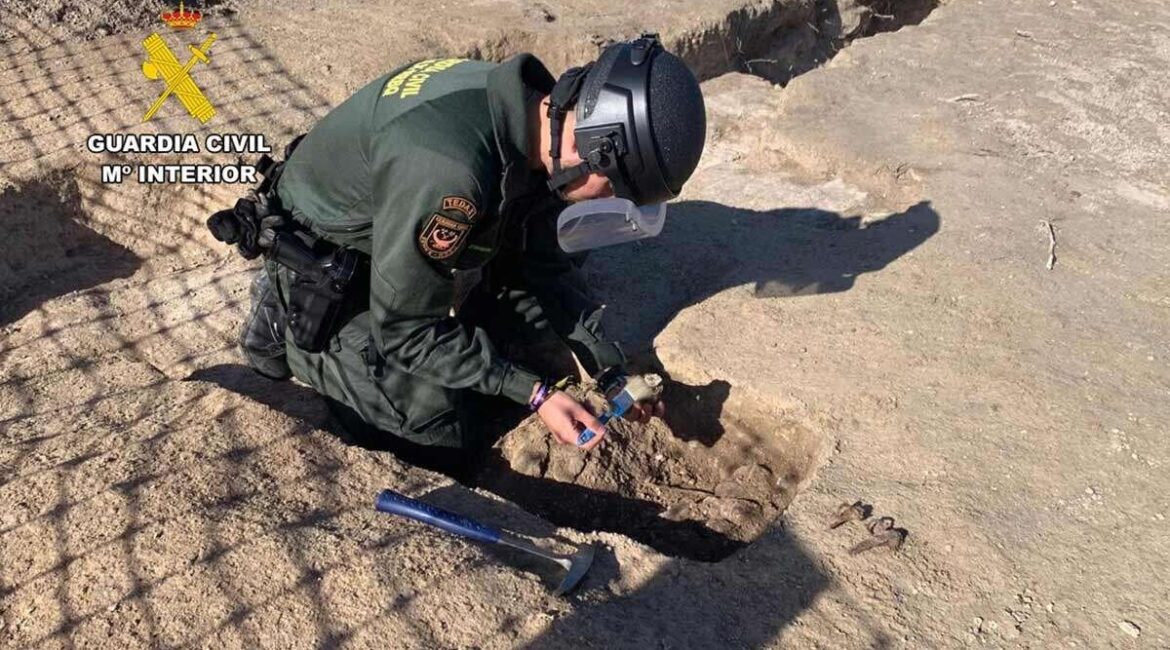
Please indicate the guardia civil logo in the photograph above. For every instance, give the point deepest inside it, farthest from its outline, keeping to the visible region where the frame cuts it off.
(162, 65)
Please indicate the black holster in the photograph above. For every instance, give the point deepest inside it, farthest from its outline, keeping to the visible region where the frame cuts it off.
(328, 284)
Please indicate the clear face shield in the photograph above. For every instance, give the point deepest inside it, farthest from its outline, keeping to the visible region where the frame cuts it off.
(604, 222)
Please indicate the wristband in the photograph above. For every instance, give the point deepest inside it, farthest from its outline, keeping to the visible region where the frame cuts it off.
(542, 394)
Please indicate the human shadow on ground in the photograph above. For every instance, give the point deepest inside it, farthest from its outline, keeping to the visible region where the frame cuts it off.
(46, 251)
(708, 247)
(562, 504)
(746, 601)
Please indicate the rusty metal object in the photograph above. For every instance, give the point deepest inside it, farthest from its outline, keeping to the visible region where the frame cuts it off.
(846, 512)
(882, 533)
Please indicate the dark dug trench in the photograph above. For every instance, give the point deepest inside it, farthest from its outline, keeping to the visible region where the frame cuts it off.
(784, 39)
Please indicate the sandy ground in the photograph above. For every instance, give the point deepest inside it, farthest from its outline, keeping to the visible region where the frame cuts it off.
(851, 301)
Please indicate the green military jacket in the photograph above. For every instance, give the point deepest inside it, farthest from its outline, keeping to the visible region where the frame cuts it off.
(426, 169)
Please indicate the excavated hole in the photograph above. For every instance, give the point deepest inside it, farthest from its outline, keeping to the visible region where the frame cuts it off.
(700, 484)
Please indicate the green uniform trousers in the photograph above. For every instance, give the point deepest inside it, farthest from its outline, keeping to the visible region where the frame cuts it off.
(377, 402)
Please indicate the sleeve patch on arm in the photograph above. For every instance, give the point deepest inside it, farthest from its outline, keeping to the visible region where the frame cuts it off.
(461, 205)
(442, 237)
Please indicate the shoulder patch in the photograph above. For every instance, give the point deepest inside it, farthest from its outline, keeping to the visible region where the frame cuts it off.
(462, 205)
(442, 237)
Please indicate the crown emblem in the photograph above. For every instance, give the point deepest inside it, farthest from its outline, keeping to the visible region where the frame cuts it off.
(182, 18)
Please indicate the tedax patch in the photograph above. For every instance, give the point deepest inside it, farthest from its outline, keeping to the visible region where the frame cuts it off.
(442, 237)
(461, 205)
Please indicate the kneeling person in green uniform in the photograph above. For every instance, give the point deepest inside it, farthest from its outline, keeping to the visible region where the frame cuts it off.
(451, 174)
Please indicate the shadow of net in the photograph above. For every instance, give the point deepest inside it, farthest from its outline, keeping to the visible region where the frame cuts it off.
(115, 477)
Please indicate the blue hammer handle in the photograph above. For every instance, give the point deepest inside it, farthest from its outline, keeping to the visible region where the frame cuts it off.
(404, 506)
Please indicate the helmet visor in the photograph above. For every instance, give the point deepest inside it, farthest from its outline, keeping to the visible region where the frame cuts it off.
(605, 222)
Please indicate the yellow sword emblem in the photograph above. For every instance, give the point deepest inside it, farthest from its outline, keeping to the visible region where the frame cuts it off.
(163, 64)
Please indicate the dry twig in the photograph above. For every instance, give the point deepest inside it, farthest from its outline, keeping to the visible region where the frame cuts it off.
(1051, 243)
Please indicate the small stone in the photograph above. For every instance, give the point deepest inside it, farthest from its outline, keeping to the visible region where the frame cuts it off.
(677, 512)
(1049, 607)
(1130, 628)
(1089, 491)
(741, 513)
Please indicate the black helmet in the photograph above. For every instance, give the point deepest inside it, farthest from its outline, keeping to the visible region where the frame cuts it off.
(640, 121)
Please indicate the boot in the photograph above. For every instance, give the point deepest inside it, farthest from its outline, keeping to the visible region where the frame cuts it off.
(262, 334)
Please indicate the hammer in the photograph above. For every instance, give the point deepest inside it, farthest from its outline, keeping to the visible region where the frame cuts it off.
(575, 565)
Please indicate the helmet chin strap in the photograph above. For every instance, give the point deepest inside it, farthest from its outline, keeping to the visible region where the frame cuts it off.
(564, 95)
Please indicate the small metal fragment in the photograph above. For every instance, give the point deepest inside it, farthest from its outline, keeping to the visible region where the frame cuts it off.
(847, 512)
(882, 533)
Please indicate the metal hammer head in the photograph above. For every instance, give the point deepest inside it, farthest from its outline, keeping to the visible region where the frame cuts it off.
(576, 566)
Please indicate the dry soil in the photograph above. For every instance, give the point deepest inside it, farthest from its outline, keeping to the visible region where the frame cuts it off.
(851, 300)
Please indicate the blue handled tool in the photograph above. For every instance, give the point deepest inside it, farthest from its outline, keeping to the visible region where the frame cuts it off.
(575, 565)
(638, 388)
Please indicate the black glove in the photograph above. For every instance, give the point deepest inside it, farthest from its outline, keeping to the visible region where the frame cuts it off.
(609, 379)
(240, 226)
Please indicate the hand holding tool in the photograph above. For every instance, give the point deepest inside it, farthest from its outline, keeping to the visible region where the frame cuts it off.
(637, 388)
